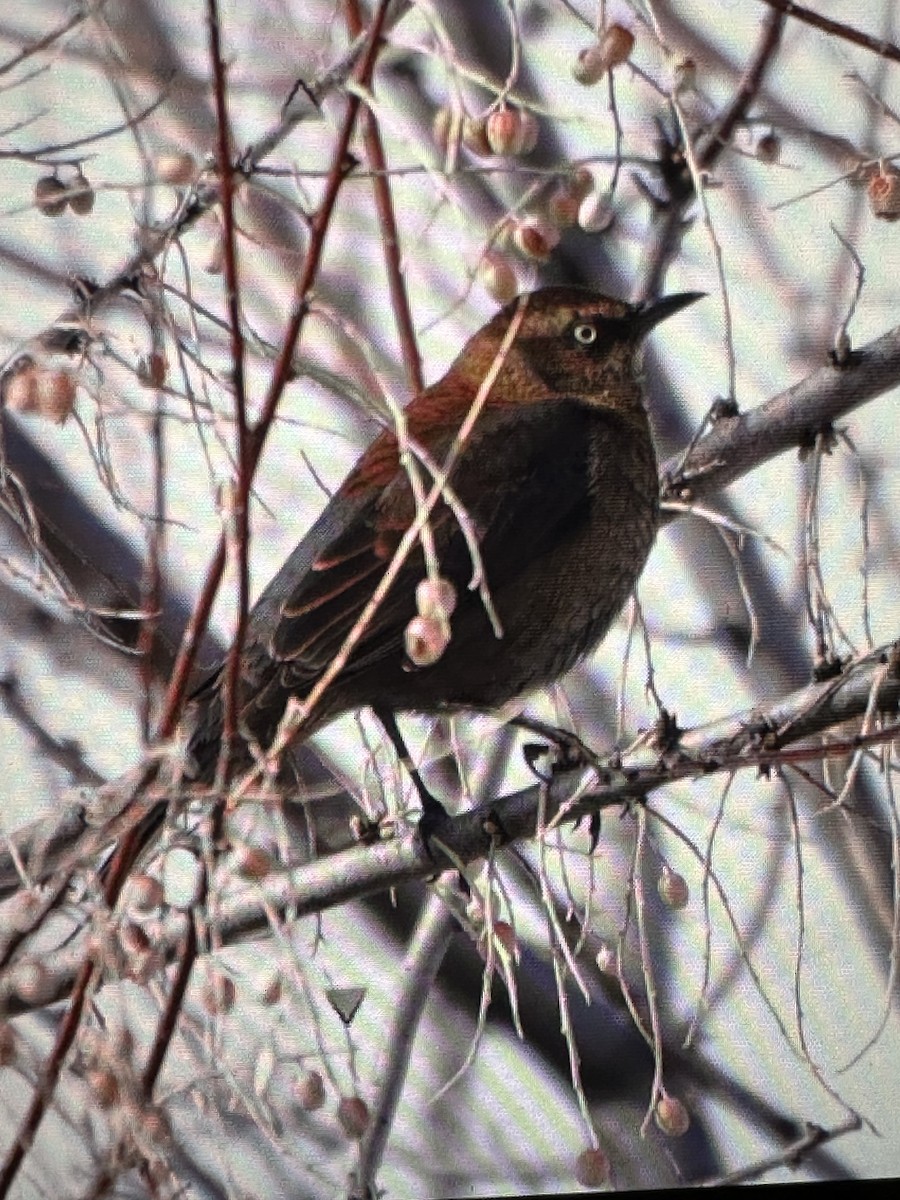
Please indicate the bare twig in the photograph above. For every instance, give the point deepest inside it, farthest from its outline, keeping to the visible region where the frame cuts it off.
(847, 33)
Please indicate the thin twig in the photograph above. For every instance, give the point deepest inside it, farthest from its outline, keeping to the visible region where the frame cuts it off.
(879, 46)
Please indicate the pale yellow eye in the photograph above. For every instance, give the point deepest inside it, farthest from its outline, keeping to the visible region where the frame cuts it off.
(585, 335)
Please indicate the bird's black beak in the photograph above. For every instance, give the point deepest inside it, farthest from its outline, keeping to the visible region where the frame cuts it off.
(648, 316)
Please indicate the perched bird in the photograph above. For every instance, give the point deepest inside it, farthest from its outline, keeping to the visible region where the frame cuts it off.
(558, 485)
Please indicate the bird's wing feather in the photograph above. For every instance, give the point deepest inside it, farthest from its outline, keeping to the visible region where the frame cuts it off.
(517, 494)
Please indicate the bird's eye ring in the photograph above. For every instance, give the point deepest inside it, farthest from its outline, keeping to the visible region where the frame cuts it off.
(585, 334)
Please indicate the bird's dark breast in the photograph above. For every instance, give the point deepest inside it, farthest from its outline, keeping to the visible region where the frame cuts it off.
(568, 513)
(582, 568)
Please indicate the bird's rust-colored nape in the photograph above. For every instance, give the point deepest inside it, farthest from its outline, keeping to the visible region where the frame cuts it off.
(571, 343)
(546, 352)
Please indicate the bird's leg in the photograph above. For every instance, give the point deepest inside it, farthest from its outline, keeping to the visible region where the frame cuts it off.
(433, 812)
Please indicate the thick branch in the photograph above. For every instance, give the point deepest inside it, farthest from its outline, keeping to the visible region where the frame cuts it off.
(787, 731)
(737, 445)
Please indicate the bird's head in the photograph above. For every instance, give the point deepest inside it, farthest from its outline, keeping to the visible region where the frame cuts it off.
(571, 342)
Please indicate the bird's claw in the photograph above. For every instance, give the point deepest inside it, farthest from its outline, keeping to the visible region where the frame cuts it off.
(434, 815)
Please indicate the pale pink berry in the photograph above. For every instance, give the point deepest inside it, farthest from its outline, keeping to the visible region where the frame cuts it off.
(145, 892)
(503, 129)
(177, 168)
(353, 1114)
(673, 888)
(436, 598)
(474, 136)
(672, 1117)
(425, 640)
(594, 213)
(498, 277)
(535, 238)
(607, 960)
(590, 65)
(613, 48)
(45, 393)
(592, 1168)
(50, 196)
(884, 193)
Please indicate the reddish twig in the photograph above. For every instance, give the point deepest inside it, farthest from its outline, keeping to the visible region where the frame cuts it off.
(390, 237)
(281, 375)
(750, 82)
(680, 192)
(71, 1021)
(240, 497)
(64, 1039)
(879, 46)
(166, 1027)
(151, 581)
(255, 440)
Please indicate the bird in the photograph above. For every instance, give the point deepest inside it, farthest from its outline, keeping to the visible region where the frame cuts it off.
(551, 505)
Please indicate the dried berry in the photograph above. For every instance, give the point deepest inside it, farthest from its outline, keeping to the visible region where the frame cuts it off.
(436, 598)
(50, 196)
(7, 1044)
(535, 238)
(498, 277)
(81, 195)
(104, 1086)
(271, 993)
(474, 136)
(425, 640)
(884, 193)
(153, 372)
(309, 1090)
(592, 1168)
(768, 148)
(505, 935)
(672, 1117)
(178, 169)
(617, 43)
(219, 993)
(353, 1114)
(673, 888)
(685, 75)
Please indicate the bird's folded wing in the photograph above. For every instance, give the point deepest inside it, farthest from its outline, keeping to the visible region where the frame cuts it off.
(523, 486)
